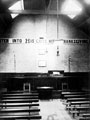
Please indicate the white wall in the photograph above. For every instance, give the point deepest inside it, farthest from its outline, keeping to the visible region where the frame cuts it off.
(26, 57)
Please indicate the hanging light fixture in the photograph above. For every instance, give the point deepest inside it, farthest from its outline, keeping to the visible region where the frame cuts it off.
(71, 8)
(87, 1)
(16, 6)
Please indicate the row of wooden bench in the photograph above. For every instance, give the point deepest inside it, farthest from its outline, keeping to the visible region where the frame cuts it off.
(77, 104)
(19, 105)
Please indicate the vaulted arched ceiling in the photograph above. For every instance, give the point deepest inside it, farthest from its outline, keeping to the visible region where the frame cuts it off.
(81, 21)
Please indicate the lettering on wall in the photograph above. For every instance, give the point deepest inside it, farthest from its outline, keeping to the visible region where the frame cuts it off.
(80, 41)
(28, 41)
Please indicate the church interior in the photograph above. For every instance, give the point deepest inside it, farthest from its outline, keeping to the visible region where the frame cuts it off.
(44, 59)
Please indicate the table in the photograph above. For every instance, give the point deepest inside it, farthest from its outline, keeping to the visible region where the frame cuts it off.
(45, 92)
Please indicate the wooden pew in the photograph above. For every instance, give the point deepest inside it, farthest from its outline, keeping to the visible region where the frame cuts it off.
(80, 110)
(86, 114)
(74, 109)
(7, 113)
(18, 91)
(13, 117)
(15, 110)
(76, 96)
(19, 100)
(77, 99)
(79, 102)
(19, 94)
(72, 93)
(75, 103)
(20, 97)
(19, 105)
(84, 118)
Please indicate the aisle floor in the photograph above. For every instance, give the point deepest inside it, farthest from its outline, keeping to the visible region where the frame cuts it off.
(53, 110)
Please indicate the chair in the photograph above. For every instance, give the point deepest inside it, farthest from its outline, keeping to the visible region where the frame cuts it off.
(64, 86)
(26, 87)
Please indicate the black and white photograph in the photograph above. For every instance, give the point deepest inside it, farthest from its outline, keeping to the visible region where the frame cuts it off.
(44, 59)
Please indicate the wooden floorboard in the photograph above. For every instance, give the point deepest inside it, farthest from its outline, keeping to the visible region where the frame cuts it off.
(53, 110)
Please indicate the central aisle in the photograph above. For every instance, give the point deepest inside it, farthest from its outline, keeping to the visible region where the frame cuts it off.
(53, 110)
